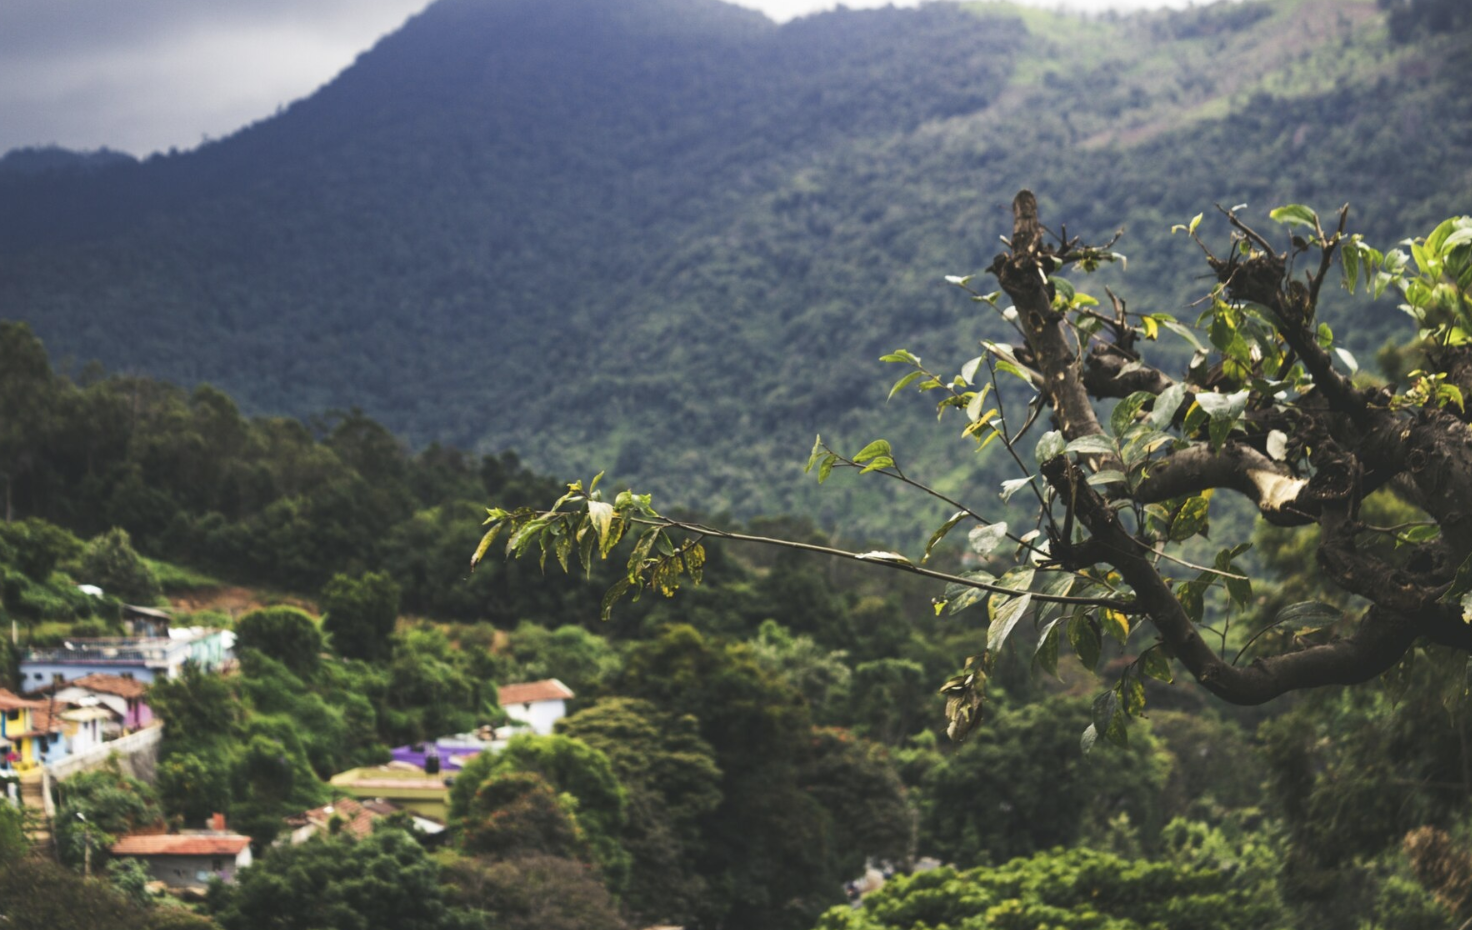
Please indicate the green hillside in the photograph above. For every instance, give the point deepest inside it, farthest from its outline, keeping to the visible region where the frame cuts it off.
(669, 238)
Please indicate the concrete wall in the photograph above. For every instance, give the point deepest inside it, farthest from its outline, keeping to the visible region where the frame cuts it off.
(539, 715)
(193, 871)
(137, 756)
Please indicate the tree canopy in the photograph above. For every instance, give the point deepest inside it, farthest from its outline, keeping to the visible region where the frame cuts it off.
(1123, 462)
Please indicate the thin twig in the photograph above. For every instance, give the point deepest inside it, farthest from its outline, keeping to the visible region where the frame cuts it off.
(905, 566)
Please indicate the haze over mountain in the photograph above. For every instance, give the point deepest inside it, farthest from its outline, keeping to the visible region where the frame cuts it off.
(669, 237)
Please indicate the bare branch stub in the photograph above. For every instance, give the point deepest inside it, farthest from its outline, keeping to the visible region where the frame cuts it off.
(1347, 441)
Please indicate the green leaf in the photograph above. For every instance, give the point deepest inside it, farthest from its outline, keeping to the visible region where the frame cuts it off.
(1191, 518)
(940, 534)
(1180, 329)
(1156, 665)
(904, 382)
(586, 541)
(1224, 410)
(1089, 738)
(965, 696)
(1005, 619)
(1046, 655)
(611, 596)
(968, 370)
(985, 538)
(901, 355)
(1123, 416)
(1109, 718)
(817, 452)
(959, 596)
(602, 516)
(1007, 610)
(1116, 624)
(1461, 585)
(1083, 636)
(1195, 221)
(825, 467)
(973, 406)
(1295, 214)
(1093, 444)
(1166, 405)
(1107, 476)
(873, 450)
(485, 543)
(1050, 446)
(1012, 486)
(1349, 257)
(1192, 596)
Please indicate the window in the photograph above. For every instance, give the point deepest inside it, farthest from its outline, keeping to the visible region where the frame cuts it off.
(217, 864)
(12, 715)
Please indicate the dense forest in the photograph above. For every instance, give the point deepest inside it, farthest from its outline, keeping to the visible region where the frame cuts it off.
(663, 237)
(699, 224)
(734, 755)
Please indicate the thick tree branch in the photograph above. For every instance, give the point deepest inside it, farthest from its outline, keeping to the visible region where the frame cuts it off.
(1023, 274)
(1110, 371)
(1381, 638)
(1280, 496)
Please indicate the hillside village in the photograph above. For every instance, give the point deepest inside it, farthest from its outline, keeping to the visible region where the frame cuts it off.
(85, 708)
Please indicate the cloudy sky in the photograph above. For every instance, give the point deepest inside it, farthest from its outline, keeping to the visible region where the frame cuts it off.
(145, 75)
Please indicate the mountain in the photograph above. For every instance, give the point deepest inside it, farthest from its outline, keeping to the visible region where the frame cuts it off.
(670, 238)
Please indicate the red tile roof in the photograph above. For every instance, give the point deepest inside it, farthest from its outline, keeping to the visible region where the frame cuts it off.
(9, 700)
(533, 691)
(109, 684)
(43, 721)
(357, 819)
(180, 844)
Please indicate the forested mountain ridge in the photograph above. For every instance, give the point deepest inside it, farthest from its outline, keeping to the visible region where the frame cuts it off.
(668, 237)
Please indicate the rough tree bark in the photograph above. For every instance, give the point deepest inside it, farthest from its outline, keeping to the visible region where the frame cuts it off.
(1358, 440)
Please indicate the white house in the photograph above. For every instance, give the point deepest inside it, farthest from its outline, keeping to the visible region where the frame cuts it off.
(84, 726)
(538, 704)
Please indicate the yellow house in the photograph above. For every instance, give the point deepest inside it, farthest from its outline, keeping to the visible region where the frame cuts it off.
(405, 785)
(27, 729)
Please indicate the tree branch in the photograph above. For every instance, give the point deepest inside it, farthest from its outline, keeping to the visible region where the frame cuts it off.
(1280, 496)
(1381, 638)
(1023, 274)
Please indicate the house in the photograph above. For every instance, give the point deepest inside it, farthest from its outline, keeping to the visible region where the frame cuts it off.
(85, 728)
(405, 785)
(449, 753)
(146, 621)
(145, 658)
(538, 704)
(122, 695)
(29, 731)
(187, 861)
(355, 818)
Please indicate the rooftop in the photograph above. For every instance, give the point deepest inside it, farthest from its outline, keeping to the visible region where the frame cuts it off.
(104, 683)
(532, 691)
(178, 844)
(9, 700)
